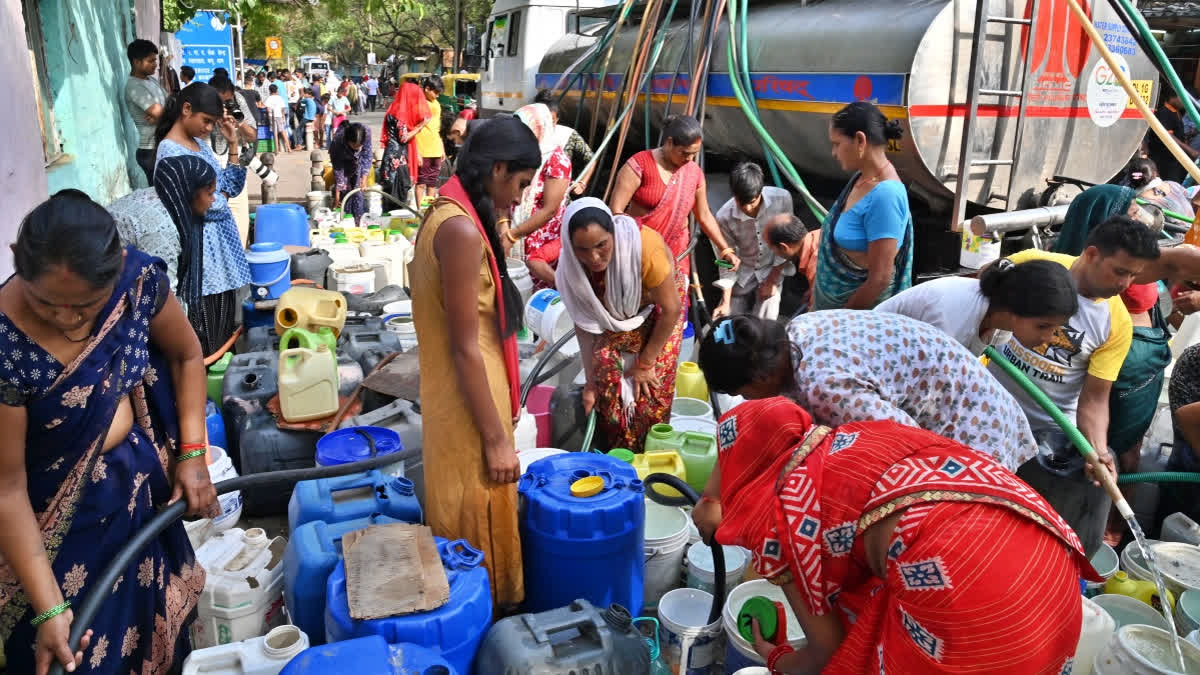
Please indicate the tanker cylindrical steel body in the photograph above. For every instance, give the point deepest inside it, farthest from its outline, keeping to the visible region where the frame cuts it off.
(910, 57)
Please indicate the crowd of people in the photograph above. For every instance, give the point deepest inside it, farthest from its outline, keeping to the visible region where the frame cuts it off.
(876, 468)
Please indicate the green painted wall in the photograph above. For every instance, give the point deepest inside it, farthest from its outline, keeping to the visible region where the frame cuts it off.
(85, 53)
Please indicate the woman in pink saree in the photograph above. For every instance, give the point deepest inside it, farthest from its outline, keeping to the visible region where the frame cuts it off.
(660, 187)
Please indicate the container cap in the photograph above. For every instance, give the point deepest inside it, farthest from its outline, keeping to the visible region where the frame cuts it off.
(688, 330)
(587, 487)
(623, 454)
(761, 608)
(347, 445)
(267, 252)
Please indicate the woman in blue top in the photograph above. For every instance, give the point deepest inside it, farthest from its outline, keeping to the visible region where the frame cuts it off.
(186, 123)
(865, 255)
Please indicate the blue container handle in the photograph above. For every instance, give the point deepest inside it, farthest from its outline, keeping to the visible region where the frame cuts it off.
(460, 555)
(525, 483)
(609, 481)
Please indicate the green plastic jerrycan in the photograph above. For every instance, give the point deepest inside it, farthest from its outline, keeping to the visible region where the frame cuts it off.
(216, 377)
(699, 453)
(298, 338)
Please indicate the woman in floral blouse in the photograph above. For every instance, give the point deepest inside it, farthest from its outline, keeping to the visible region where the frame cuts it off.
(350, 155)
(102, 393)
(539, 216)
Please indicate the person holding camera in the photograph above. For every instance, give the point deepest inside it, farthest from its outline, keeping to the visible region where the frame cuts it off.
(238, 109)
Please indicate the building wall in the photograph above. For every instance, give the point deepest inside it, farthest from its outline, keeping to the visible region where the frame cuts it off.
(85, 54)
(22, 178)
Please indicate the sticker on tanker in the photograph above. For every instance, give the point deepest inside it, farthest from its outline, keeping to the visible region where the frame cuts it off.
(1106, 98)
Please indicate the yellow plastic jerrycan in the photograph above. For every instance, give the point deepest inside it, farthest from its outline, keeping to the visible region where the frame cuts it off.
(1144, 591)
(690, 382)
(310, 308)
(308, 384)
(664, 461)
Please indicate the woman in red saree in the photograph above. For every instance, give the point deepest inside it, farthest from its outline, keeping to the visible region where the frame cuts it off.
(398, 170)
(660, 187)
(898, 550)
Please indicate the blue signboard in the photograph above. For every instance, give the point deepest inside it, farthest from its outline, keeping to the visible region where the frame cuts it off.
(207, 41)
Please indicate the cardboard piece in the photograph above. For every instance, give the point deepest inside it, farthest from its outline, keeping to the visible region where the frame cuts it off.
(393, 570)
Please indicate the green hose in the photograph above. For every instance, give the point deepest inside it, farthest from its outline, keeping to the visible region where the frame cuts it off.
(586, 446)
(1170, 214)
(784, 163)
(1042, 400)
(744, 71)
(1144, 29)
(1159, 477)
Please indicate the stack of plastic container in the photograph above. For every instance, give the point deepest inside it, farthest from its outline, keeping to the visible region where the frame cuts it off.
(243, 591)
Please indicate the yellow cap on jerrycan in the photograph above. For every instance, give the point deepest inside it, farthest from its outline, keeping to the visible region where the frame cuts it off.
(1143, 591)
(690, 382)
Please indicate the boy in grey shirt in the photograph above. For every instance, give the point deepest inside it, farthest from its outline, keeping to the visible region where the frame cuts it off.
(145, 99)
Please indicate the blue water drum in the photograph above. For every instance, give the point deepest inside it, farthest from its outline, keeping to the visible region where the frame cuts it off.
(369, 655)
(357, 495)
(455, 629)
(581, 547)
(270, 270)
(285, 224)
(313, 550)
(215, 425)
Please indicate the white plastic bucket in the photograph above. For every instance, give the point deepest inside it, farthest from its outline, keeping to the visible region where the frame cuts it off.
(1127, 611)
(531, 455)
(690, 644)
(691, 407)
(666, 538)
(1132, 563)
(519, 273)
(739, 653)
(231, 502)
(356, 277)
(1106, 564)
(546, 315)
(702, 575)
(753, 670)
(398, 307)
(698, 424)
(1143, 650)
(1095, 631)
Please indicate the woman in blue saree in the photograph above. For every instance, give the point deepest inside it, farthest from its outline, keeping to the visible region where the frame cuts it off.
(102, 394)
(865, 251)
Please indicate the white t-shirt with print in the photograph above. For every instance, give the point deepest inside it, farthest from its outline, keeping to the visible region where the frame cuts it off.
(278, 106)
(953, 305)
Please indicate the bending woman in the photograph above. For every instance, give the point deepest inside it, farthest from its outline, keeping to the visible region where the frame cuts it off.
(539, 217)
(1026, 301)
(660, 187)
(467, 312)
(183, 130)
(350, 155)
(618, 285)
(865, 253)
(102, 391)
(850, 366)
(888, 565)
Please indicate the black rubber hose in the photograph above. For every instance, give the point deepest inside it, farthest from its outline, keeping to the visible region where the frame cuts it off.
(537, 369)
(690, 498)
(86, 613)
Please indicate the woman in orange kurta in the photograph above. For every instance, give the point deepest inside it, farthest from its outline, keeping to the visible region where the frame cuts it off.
(467, 312)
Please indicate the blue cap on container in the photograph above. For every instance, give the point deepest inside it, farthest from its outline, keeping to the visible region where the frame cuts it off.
(688, 331)
(347, 445)
(267, 252)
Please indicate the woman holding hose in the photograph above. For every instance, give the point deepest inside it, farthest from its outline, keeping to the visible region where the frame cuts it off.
(659, 188)
(102, 391)
(885, 539)
(618, 284)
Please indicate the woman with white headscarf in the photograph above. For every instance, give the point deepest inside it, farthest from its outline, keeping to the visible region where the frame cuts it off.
(538, 219)
(617, 281)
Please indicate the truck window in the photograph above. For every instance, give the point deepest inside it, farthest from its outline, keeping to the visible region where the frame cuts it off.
(584, 25)
(496, 36)
(514, 34)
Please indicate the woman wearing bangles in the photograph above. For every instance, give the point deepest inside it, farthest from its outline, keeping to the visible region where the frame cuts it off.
(102, 390)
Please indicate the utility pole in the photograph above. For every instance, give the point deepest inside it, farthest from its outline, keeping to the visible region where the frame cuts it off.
(458, 35)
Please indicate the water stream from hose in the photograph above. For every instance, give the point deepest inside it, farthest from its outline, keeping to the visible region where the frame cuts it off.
(1164, 603)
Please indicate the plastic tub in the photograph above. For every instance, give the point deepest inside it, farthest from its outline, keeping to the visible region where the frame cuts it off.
(702, 575)
(270, 270)
(665, 540)
(689, 643)
(1132, 563)
(739, 653)
(284, 224)
(683, 406)
(1127, 611)
(1187, 612)
(348, 445)
(1143, 650)
(1106, 564)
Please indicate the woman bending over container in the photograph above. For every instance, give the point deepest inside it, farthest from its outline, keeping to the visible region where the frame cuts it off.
(889, 541)
(538, 219)
(850, 366)
(865, 253)
(184, 129)
(350, 155)
(166, 221)
(102, 393)
(1026, 301)
(467, 313)
(618, 284)
(659, 188)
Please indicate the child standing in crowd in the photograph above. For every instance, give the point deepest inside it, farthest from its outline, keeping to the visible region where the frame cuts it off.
(278, 107)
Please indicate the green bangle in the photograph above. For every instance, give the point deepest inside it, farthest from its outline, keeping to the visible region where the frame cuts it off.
(50, 613)
(191, 455)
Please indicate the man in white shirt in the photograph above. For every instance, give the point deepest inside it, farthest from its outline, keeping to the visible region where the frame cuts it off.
(278, 107)
(187, 75)
(756, 286)
(372, 87)
(144, 98)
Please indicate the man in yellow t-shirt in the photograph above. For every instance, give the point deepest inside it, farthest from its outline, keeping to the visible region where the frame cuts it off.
(1077, 367)
(429, 140)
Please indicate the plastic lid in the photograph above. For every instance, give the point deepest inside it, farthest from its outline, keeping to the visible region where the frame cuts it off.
(347, 445)
(587, 487)
(623, 454)
(267, 252)
(761, 608)
(688, 330)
